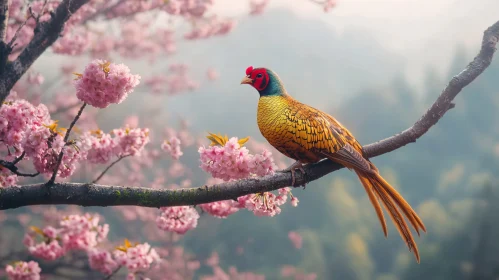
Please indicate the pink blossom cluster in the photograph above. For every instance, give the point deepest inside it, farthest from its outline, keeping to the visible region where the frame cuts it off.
(23, 271)
(136, 258)
(265, 204)
(102, 261)
(49, 248)
(221, 209)
(235, 162)
(213, 26)
(172, 147)
(131, 141)
(125, 142)
(17, 119)
(103, 146)
(74, 43)
(45, 161)
(188, 8)
(7, 178)
(104, 83)
(75, 232)
(178, 219)
(82, 232)
(29, 129)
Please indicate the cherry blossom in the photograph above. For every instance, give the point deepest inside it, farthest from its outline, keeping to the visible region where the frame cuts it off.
(102, 261)
(23, 271)
(136, 257)
(172, 147)
(104, 83)
(178, 219)
(82, 232)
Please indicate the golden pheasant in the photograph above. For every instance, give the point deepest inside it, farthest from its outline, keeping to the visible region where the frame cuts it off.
(308, 135)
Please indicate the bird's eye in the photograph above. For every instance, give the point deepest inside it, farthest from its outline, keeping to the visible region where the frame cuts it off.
(259, 75)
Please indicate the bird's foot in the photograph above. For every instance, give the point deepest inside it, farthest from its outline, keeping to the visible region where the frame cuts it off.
(298, 165)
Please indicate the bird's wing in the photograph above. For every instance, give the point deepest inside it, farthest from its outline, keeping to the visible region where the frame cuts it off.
(321, 133)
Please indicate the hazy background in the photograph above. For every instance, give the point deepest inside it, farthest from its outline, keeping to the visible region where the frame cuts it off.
(376, 66)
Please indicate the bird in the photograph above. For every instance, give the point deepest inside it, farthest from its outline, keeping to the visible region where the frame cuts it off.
(309, 135)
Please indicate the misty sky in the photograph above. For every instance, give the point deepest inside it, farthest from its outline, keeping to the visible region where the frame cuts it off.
(425, 32)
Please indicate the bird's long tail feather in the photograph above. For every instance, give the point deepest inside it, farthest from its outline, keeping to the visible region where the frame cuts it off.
(379, 190)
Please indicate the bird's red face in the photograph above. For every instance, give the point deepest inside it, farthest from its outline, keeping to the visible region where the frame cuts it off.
(257, 78)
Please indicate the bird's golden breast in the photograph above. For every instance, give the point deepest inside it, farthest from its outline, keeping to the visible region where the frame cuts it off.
(271, 117)
(275, 119)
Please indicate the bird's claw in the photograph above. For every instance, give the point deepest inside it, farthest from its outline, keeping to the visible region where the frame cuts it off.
(295, 166)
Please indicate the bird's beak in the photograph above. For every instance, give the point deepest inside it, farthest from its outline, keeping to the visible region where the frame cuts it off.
(246, 80)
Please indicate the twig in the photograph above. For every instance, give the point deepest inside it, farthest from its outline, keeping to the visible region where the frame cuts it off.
(105, 195)
(109, 167)
(13, 168)
(18, 159)
(66, 137)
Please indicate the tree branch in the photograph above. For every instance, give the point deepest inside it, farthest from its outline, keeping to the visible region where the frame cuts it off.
(46, 33)
(102, 195)
(66, 138)
(109, 167)
(11, 166)
(444, 101)
(4, 18)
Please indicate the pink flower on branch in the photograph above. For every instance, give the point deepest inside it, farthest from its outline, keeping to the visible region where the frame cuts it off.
(104, 83)
(178, 219)
(82, 232)
(23, 271)
(172, 147)
(49, 248)
(102, 261)
(75, 232)
(228, 160)
(137, 257)
(221, 209)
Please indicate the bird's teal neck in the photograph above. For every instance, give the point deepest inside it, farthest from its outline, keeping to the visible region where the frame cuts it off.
(275, 86)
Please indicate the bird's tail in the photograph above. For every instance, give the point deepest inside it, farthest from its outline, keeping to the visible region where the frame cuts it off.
(380, 190)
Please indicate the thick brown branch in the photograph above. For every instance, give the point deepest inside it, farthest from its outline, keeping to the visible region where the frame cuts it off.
(4, 21)
(46, 34)
(102, 195)
(4, 18)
